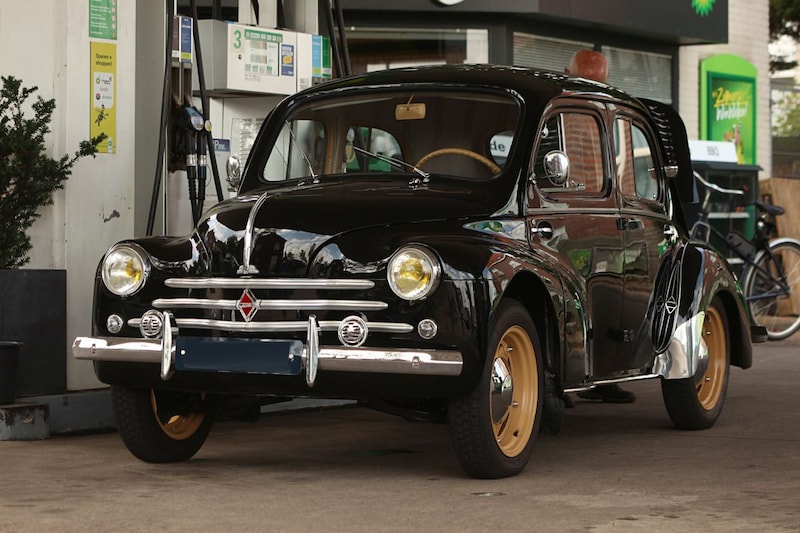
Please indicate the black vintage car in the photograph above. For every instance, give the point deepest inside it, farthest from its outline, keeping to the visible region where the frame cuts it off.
(464, 244)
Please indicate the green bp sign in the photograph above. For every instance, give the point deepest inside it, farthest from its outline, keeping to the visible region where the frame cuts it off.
(703, 7)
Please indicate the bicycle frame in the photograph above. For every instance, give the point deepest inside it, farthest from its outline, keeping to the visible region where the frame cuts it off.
(702, 230)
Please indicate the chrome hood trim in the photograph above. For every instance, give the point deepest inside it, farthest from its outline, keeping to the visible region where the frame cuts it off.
(249, 237)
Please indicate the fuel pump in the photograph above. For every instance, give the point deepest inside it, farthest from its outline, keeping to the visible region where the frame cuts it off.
(262, 61)
(184, 131)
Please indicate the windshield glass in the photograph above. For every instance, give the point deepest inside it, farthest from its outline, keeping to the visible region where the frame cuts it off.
(464, 134)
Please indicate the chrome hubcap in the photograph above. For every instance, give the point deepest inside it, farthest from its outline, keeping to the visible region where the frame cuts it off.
(502, 390)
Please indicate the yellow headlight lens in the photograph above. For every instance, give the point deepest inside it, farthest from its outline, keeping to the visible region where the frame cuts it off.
(413, 272)
(124, 270)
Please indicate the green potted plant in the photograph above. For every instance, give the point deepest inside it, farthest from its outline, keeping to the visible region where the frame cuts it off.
(28, 179)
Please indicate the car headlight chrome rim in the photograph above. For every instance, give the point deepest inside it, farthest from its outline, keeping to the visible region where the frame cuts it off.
(413, 272)
(125, 269)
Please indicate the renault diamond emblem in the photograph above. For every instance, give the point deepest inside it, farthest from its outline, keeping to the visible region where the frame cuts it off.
(247, 305)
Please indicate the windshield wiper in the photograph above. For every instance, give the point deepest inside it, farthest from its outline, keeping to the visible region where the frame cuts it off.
(398, 163)
(299, 146)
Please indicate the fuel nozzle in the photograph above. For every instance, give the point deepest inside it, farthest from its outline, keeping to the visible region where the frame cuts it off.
(192, 123)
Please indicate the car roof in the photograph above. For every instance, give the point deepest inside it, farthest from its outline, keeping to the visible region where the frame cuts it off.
(531, 84)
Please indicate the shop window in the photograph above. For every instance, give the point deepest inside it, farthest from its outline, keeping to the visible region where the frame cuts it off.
(380, 48)
(210, 9)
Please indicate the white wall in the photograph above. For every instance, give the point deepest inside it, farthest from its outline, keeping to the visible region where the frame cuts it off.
(46, 43)
(35, 68)
(748, 37)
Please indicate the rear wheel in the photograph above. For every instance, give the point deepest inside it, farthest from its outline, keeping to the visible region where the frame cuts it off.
(771, 304)
(696, 402)
(494, 427)
(161, 426)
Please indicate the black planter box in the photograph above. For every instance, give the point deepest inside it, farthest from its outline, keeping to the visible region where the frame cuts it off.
(33, 310)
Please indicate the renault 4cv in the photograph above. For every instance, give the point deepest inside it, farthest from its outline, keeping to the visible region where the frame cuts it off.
(464, 244)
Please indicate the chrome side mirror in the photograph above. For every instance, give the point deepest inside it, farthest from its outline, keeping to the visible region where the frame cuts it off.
(234, 170)
(556, 167)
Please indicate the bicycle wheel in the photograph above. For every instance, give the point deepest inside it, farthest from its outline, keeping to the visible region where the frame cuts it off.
(772, 289)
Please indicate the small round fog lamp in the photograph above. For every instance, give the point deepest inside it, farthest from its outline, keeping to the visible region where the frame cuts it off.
(114, 323)
(427, 328)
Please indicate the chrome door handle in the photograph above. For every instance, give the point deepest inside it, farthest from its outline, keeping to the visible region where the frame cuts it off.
(543, 229)
(670, 233)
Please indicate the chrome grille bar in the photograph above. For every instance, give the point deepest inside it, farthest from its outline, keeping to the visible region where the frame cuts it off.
(272, 305)
(259, 283)
(275, 327)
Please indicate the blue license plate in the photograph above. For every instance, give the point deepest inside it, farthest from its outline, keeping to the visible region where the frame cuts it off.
(239, 356)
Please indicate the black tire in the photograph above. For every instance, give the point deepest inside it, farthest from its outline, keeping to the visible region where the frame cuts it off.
(494, 427)
(696, 402)
(779, 313)
(161, 426)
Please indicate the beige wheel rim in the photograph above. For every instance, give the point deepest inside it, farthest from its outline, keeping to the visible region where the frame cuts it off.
(711, 384)
(514, 394)
(177, 426)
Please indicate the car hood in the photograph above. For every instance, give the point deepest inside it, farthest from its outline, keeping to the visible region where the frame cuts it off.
(290, 225)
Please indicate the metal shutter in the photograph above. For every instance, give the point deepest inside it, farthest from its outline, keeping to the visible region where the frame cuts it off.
(544, 52)
(642, 74)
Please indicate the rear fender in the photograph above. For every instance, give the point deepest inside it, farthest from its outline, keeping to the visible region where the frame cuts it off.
(688, 280)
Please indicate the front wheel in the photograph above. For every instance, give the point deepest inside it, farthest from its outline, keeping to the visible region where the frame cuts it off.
(494, 427)
(772, 289)
(696, 402)
(161, 426)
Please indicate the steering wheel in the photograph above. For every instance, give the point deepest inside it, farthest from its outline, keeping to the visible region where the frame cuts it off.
(488, 163)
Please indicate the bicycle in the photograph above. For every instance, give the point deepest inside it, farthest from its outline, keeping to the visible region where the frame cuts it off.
(770, 276)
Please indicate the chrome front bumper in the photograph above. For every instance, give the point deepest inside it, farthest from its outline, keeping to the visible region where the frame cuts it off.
(327, 358)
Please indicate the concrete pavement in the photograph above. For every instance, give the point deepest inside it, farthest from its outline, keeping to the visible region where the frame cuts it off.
(613, 467)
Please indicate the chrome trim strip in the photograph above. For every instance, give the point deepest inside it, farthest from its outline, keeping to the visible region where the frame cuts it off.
(627, 379)
(194, 303)
(275, 327)
(280, 283)
(272, 305)
(249, 236)
(333, 359)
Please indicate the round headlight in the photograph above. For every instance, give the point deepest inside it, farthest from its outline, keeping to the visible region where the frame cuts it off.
(413, 272)
(125, 269)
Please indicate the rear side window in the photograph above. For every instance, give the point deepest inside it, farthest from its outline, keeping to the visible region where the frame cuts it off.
(635, 163)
